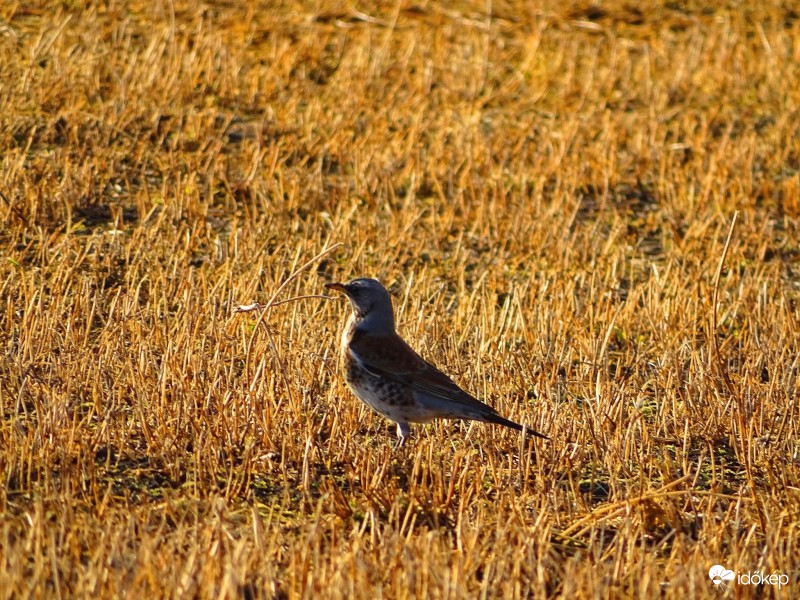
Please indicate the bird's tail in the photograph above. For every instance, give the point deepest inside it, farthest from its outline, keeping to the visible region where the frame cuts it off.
(495, 418)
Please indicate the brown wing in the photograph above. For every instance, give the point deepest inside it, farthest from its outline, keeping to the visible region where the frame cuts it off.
(389, 356)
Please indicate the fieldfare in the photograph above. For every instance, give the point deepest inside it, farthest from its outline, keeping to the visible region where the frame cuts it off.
(385, 373)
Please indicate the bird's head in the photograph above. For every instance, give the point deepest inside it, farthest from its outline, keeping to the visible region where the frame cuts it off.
(371, 302)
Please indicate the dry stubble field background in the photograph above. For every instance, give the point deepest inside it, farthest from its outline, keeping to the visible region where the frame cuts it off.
(546, 189)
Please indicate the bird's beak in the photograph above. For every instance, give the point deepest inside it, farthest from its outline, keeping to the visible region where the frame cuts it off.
(339, 287)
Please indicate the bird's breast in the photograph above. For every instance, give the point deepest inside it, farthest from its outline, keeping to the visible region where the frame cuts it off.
(347, 335)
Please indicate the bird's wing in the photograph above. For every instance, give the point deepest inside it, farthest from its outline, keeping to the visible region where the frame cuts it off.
(390, 356)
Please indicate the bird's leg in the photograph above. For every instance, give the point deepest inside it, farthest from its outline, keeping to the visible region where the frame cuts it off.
(403, 431)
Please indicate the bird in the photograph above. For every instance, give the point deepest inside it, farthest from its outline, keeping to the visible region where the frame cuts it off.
(387, 375)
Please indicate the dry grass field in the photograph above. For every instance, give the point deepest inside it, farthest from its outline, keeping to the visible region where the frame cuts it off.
(587, 214)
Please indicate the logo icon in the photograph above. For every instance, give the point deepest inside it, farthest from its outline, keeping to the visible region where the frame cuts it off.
(720, 574)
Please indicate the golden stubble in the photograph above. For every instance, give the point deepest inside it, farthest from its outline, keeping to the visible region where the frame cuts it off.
(547, 192)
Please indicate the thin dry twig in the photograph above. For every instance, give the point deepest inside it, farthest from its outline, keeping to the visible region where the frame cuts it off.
(723, 371)
(257, 306)
(273, 301)
(714, 300)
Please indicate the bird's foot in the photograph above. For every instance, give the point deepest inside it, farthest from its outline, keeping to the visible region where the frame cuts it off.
(403, 432)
